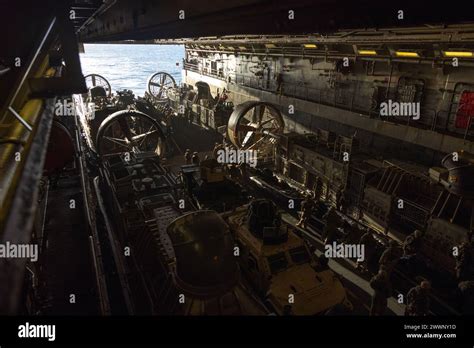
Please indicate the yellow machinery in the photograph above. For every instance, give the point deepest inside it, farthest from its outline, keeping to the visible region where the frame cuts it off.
(26, 117)
(212, 171)
(279, 264)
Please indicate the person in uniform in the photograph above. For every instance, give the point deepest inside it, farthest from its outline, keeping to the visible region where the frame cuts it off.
(390, 257)
(351, 232)
(380, 283)
(332, 223)
(370, 246)
(412, 243)
(418, 300)
(195, 159)
(279, 81)
(465, 262)
(318, 189)
(340, 200)
(216, 99)
(307, 207)
(187, 156)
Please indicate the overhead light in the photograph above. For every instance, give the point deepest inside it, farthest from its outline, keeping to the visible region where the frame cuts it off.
(242, 48)
(367, 52)
(310, 46)
(458, 54)
(270, 45)
(230, 48)
(407, 54)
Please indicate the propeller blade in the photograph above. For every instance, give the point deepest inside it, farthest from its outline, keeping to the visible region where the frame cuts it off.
(246, 127)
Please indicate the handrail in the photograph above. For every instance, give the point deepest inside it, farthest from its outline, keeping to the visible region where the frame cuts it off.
(335, 97)
(19, 179)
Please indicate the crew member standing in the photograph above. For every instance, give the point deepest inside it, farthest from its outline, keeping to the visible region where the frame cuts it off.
(187, 156)
(279, 81)
(382, 291)
(195, 159)
(370, 247)
(332, 223)
(418, 300)
(412, 243)
(318, 189)
(340, 200)
(390, 257)
(307, 207)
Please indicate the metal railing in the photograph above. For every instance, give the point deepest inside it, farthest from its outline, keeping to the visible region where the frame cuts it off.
(326, 96)
(346, 99)
(204, 71)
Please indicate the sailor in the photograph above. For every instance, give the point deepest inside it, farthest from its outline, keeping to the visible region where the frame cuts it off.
(348, 231)
(332, 223)
(318, 189)
(412, 243)
(370, 247)
(223, 96)
(187, 156)
(418, 300)
(217, 97)
(195, 158)
(382, 291)
(465, 262)
(307, 207)
(340, 200)
(390, 257)
(279, 81)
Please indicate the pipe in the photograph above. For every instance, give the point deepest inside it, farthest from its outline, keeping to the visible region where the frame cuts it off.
(99, 11)
(339, 56)
(25, 75)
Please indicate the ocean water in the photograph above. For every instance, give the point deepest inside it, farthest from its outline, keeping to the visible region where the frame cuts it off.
(130, 66)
